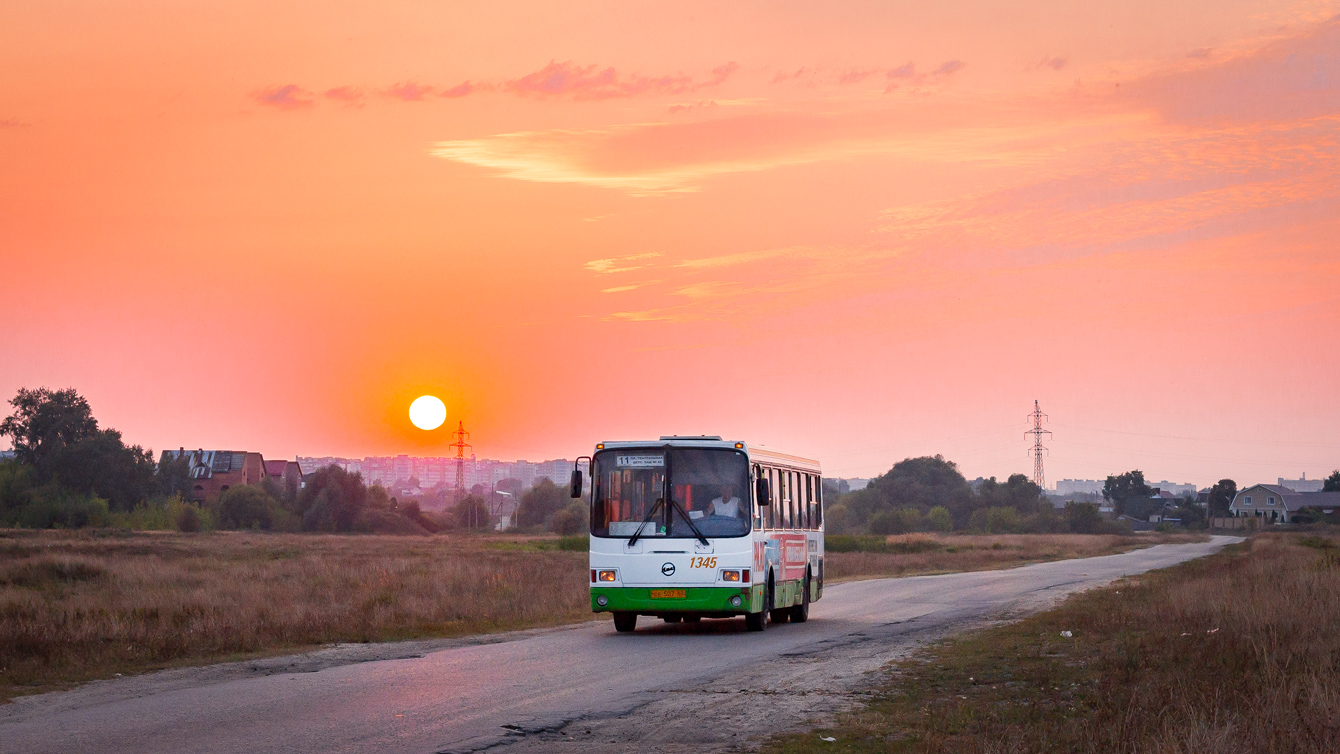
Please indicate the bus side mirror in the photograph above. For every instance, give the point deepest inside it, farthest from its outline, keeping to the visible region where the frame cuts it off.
(761, 491)
(576, 482)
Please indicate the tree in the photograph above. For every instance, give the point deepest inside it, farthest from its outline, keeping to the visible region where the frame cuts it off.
(921, 483)
(1332, 483)
(472, 512)
(245, 506)
(540, 503)
(1121, 489)
(174, 476)
(938, 519)
(1221, 497)
(44, 423)
(1083, 518)
(573, 519)
(1018, 492)
(56, 435)
(332, 500)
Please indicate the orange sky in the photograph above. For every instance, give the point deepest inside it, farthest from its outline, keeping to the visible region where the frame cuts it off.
(857, 231)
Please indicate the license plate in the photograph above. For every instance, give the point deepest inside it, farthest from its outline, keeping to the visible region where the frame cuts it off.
(668, 594)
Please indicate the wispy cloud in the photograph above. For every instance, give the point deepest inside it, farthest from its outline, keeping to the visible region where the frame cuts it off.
(620, 264)
(286, 97)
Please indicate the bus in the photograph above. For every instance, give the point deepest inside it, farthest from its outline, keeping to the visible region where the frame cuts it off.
(686, 528)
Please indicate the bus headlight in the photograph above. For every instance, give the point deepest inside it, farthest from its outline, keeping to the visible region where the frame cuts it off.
(730, 575)
(602, 600)
(608, 575)
(736, 601)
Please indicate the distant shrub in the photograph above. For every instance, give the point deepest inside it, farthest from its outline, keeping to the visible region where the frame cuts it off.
(245, 506)
(572, 519)
(188, 520)
(938, 519)
(997, 520)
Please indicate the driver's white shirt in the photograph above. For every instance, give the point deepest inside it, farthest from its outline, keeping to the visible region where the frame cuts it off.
(728, 508)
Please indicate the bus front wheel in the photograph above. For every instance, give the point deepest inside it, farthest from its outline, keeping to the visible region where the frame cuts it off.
(625, 622)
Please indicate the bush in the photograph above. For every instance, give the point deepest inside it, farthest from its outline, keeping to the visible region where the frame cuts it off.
(938, 519)
(572, 519)
(997, 520)
(900, 521)
(188, 520)
(1083, 518)
(245, 506)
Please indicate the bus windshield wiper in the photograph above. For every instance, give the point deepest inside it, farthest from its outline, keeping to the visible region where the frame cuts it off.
(633, 539)
(692, 525)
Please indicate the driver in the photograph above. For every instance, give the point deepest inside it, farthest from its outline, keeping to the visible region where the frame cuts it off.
(727, 504)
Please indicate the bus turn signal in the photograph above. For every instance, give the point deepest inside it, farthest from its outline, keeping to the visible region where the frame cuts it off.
(730, 575)
(607, 575)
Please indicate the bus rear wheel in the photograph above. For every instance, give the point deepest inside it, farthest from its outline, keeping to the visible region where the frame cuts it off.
(672, 618)
(801, 613)
(625, 622)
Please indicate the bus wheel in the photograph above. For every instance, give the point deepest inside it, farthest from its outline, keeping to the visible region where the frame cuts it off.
(778, 616)
(756, 621)
(801, 613)
(672, 618)
(692, 618)
(625, 622)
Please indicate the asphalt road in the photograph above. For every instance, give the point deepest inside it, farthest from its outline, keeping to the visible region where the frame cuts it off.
(470, 698)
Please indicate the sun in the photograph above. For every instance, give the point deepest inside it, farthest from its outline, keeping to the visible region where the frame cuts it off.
(427, 412)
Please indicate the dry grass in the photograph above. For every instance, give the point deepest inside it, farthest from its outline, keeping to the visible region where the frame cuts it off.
(1230, 654)
(77, 606)
(913, 554)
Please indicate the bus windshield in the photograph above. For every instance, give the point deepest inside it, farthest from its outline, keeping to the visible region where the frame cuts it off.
(707, 486)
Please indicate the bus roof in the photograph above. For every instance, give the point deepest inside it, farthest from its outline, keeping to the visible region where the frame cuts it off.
(756, 453)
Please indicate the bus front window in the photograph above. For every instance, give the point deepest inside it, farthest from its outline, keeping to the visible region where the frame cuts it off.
(628, 485)
(709, 491)
(712, 487)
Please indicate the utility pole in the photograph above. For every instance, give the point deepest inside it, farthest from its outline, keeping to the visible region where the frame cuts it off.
(1037, 432)
(460, 446)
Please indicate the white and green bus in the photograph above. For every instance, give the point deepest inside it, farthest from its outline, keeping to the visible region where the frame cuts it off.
(686, 528)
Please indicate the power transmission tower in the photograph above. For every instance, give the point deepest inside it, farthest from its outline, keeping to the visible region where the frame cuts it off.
(460, 445)
(1037, 432)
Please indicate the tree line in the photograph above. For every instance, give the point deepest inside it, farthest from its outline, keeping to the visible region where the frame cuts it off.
(68, 472)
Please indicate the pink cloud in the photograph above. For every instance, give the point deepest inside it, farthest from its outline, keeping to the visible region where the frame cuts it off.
(904, 71)
(854, 77)
(409, 91)
(1055, 64)
(287, 97)
(589, 82)
(948, 68)
(460, 90)
(1290, 79)
(347, 94)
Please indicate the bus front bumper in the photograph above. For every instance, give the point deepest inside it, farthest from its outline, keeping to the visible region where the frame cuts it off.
(701, 600)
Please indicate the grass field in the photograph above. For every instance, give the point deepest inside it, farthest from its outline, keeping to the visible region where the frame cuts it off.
(1233, 653)
(76, 606)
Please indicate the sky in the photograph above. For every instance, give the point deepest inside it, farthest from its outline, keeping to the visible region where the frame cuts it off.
(855, 231)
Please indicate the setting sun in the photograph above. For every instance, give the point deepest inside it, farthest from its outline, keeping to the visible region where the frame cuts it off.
(427, 412)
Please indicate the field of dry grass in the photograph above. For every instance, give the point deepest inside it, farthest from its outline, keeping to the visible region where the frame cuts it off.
(911, 554)
(76, 606)
(1229, 654)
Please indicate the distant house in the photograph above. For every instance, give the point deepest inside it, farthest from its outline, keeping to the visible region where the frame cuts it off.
(215, 471)
(1275, 503)
(288, 472)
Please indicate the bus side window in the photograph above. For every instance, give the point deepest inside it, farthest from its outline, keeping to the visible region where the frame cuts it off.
(819, 504)
(791, 519)
(773, 493)
(797, 518)
(809, 501)
(753, 490)
(814, 515)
